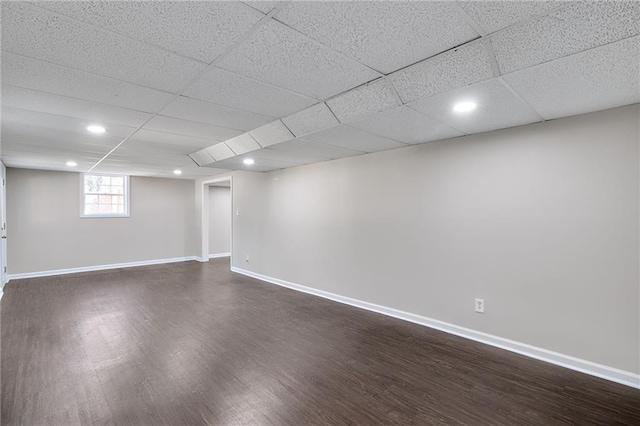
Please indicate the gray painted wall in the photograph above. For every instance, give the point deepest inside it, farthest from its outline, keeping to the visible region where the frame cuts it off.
(45, 231)
(219, 219)
(541, 221)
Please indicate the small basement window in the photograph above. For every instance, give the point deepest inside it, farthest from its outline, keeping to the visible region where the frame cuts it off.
(104, 196)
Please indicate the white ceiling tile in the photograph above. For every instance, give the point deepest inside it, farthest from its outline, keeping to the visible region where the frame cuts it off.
(365, 100)
(199, 29)
(285, 58)
(236, 91)
(456, 68)
(288, 156)
(46, 77)
(202, 157)
(263, 6)
(597, 79)
(310, 120)
(350, 138)
(577, 27)
(495, 15)
(37, 33)
(60, 122)
(19, 97)
(272, 133)
(307, 147)
(497, 108)
(384, 35)
(220, 151)
(216, 115)
(406, 125)
(173, 139)
(154, 146)
(262, 165)
(190, 128)
(143, 152)
(243, 143)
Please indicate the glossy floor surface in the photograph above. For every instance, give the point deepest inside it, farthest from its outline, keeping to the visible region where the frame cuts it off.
(192, 343)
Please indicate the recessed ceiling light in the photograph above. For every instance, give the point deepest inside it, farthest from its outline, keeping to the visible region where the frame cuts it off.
(71, 163)
(248, 161)
(94, 128)
(177, 172)
(464, 106)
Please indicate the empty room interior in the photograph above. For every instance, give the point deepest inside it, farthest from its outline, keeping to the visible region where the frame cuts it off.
(320, 213)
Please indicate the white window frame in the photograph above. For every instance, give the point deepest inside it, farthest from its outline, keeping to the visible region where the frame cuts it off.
(127, 206)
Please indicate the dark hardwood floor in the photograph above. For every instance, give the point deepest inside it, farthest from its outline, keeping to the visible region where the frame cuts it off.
(192, 343)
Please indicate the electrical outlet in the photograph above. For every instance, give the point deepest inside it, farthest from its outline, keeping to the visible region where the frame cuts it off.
(247, 258)
(480, 306)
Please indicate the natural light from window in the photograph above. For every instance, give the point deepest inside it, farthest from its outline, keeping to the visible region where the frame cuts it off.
(105, 196)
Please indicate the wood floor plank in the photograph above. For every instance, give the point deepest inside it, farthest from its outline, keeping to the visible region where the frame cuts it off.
(193, 343)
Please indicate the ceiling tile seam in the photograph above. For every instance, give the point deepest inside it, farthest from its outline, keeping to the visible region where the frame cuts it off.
(622, 40)
(438, 121)
(562, 5)
(106, 30)
(314, 41)
(214, 140)
(331, 111)
(222, 106)
(86, 72)
(286, 127)
(492, 58)
(522, 99)
(393, 89)
(226, 52)
(371, 133)
(194, 122)
(461, 45)
(468, 19)
(268, 84)
(74, 98)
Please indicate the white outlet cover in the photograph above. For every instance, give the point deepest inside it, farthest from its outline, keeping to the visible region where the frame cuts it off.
(480, 306)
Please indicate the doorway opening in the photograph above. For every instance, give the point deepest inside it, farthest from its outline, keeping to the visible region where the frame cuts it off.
(217, 218)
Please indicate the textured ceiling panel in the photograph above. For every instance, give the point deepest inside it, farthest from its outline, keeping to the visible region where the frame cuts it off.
(60, 123)
(233, 90)
(572, 29)
(155, 146)
(364, 100)
(173, 139)
(406, 125)
(283, 57)
(456, 68)
(281, 155)
(220, 151)
(495, 15)
(354, 139)
(190, 128)
(383, 35)
(18, 97)
(192, 172)
(198, 29)
(49, 37)
(216, 115)
(272, 133)
(39, 139)
(43, 76)
(307, 147)
(600, 78)
(310, 120)
(202, 157)
(243, 143)
(497, 108)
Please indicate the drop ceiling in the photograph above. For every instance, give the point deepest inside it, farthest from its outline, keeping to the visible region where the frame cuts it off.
(202, 85)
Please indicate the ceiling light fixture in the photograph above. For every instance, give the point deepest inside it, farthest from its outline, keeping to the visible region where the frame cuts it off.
(94, 128)
(248, 161)
(464, 106)
(71, 163)
(177, 172)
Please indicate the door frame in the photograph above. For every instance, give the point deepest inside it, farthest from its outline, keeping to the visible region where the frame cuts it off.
(204, 237)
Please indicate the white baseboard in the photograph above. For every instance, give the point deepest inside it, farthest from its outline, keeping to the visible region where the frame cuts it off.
(216, 255)
(599, 370)
(98, 268)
